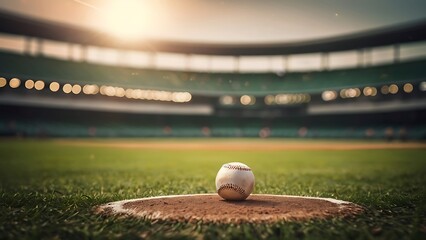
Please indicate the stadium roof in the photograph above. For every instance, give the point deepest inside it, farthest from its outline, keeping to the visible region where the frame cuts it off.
(26, 26)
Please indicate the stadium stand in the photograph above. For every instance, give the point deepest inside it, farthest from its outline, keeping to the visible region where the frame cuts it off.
(213, 84)
(41, 96)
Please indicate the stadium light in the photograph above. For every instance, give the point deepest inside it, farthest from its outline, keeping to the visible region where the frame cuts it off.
(408, 87)
(14, 82)
(129, 93)
(109, 91)
(67, 88)
(329, 95)
(370, 91)
(54, 86)
(352, 93)
(29, 84)
(181, 97)
(393, 89)
(3, 81)
(307, 98)
(39, 85)
(384, 90)
(247, 100)
(120, 92)
(422, 86)
(76, 89)
(269, 99)
(90, 89)
(136, 94)
(226, 100)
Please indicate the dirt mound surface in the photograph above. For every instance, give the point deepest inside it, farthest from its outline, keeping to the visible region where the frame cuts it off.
(212, 208)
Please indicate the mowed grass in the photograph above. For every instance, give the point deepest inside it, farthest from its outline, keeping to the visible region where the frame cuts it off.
(49, 189)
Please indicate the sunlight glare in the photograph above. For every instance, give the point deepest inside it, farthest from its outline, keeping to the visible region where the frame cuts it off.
(127, 19)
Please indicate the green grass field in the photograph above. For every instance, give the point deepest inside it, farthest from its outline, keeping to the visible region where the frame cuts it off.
(49, 188)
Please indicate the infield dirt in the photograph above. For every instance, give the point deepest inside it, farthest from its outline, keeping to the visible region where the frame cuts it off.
(255, 145)
(211, 208)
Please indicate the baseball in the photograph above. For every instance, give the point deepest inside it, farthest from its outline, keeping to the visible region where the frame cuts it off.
(234, 181)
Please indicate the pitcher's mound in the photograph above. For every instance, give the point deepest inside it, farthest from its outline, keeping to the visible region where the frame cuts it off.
(212, 208)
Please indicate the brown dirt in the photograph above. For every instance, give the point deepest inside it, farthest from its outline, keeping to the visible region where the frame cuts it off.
(231, 145)
(211, 208)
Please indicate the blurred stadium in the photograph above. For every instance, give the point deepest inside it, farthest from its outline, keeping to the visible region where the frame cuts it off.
(58, 80)
(153, 117)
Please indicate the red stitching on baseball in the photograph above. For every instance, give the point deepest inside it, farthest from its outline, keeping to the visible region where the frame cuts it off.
(234, 167)
(232, 187)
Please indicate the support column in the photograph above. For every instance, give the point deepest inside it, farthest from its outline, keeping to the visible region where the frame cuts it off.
(83, 53)
(152, 60)
(237, 64)
(27, 46)
(39, 51)
(396, 53)
(360, 59)
(70, 54)
(187, 62)
(285, 63)
(324, 61)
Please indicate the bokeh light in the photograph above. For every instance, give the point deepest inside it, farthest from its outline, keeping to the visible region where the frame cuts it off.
(54, 86)
(393, 89)
(247, 100)
(408, 87)
(3, 81)
(329, 95)
(29, 84)
(14, 82)
(39, 85)
(76, 89)
(67, 88)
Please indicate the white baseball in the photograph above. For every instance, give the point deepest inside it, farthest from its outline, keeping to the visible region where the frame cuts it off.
(234, 181)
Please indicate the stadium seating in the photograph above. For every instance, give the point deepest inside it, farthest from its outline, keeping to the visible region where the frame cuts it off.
(63, 123)
(14, 65)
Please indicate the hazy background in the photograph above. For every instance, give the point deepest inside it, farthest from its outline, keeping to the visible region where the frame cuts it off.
(225, 21)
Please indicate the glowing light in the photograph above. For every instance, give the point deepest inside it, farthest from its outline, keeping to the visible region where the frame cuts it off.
(119, 92)
(29, 84)
(54, 86)
(165, 96)
(226, 100)
(422, 86)
(39, 85)
(352, 92)
(129, 92)
(136, 93)
(282, 99)
(76, 89)
(408, 87)
(393, 89)
(102, 90)
(343, 93)
(109, 91)
(307, 98)
(329, 95)
(3, 81)
(269, 99)
(90, 89)
(181, 97)
(384, 89)
(67, 88)
(247, 100)
(297, 98)
(370, 91)
(14, 82)
(128, 19)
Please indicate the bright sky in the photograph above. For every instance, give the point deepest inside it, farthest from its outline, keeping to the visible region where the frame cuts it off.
(227, 21)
